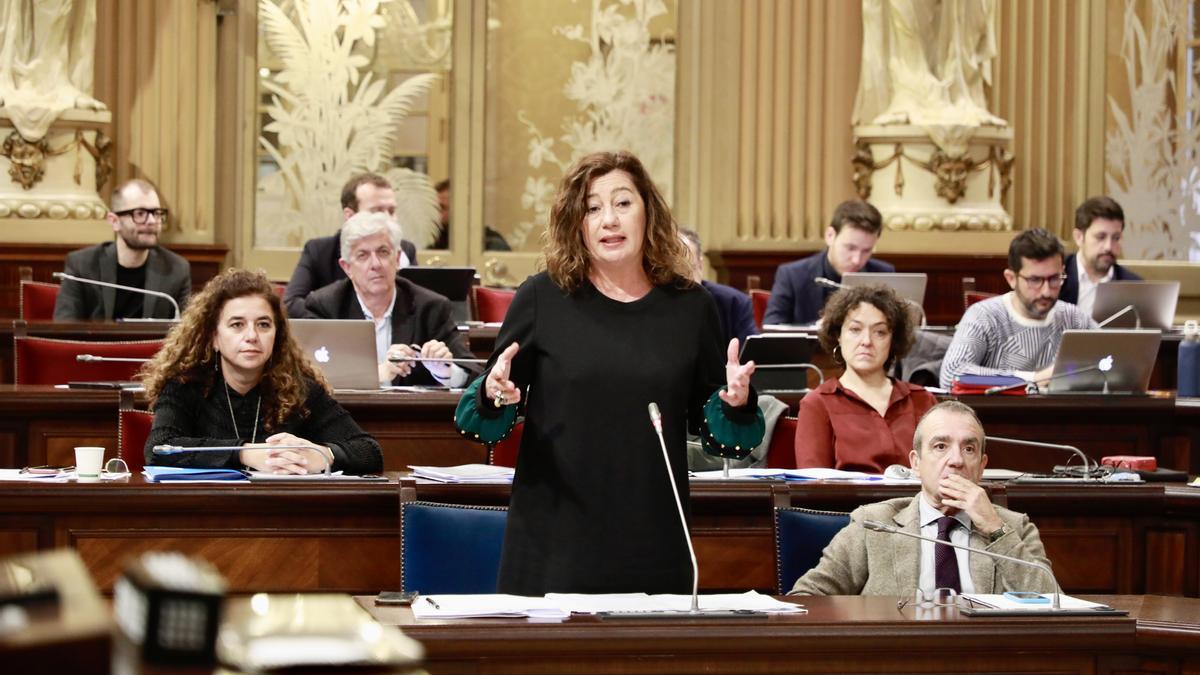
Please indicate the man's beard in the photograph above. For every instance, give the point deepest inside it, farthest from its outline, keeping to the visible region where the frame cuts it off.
(135, 243)
(1032, 309)
(1102, 264)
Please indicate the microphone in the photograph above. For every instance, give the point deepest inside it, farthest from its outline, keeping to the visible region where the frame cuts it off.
(1103, 365)
(92, 358)
(179, 449)
(1052, 446)
(418, 359)
(830, 283)
(1137, 317)
(694, 612)
(877, 526)
(656, 422)
(132, 289)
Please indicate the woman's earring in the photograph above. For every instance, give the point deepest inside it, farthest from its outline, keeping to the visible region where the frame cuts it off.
(837, 358)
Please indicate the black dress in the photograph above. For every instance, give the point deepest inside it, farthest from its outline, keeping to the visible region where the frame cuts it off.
(591, 509)
(185, 416)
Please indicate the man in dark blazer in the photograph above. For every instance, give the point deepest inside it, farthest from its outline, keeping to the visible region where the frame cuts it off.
(410, 321)
(733, 306)
(132, 259)
(318, 264)
(1099, 227)
(850, 239)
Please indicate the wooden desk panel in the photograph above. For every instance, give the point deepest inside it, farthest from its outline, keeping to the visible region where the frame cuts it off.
(839, 634)
(345, 537)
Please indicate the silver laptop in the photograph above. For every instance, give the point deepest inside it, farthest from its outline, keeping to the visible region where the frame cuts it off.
(343, 350)
(907, 285)
(1122, 359)
(1153, 303)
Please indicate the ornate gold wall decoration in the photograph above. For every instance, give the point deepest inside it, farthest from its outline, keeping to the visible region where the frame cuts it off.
(28, 160)
(331, 115)
(951, 173)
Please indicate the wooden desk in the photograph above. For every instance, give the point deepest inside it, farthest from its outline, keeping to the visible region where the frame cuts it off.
(839, 634)
(42, 425)
(345, 537)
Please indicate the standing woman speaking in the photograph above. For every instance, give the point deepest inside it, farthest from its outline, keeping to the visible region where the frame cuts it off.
(613, 324)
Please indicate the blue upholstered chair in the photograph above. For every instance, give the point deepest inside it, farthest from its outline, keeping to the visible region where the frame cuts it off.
(800, 537)
(450, 548)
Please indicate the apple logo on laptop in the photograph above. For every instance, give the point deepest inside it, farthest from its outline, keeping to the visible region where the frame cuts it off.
(321, 354)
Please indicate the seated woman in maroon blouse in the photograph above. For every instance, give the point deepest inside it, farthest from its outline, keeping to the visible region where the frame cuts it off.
(863, 420)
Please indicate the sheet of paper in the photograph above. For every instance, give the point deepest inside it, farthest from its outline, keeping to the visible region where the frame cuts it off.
(486, 605)
(465, 473)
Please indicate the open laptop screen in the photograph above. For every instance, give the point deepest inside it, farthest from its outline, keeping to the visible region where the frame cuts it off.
(1153, 303)
(1128, 356)
(342, 349)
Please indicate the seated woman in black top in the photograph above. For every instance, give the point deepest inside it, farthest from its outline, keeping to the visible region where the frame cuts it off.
(230, 374)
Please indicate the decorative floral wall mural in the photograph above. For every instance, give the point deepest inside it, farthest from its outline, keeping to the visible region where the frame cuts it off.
(331, 116)
(624, 94)
(1152, 148)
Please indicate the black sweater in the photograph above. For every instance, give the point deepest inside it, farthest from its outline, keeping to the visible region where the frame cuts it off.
(184, 416)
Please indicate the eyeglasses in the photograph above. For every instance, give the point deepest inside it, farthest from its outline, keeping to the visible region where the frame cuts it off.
(140, 216)
(938, 597)
(1054, 281)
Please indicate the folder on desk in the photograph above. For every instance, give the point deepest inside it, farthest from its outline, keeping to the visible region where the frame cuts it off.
(163, 474)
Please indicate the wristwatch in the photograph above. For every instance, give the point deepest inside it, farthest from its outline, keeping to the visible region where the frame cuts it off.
(994, 536)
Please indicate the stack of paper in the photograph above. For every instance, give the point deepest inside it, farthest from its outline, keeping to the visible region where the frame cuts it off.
(161, 474)
(487, 606)
(466, 473)
(640, 602)
(559, 606)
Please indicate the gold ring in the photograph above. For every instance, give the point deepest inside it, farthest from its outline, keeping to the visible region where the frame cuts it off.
(499, 400)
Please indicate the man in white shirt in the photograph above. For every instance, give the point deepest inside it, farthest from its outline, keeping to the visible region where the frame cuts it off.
(949, 456)
(410, 321)
(1099, 228)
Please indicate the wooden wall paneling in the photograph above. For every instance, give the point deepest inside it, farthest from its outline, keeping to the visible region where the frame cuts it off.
(1095, 558)
(1166, 548)
(206, 260)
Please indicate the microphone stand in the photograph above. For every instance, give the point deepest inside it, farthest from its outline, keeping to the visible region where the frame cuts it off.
(419, 359)
(91, 358)
(1137, 317)
(1000, 389)
(694, 612)
(1087, 474)
(132, 289)
(1056, 607)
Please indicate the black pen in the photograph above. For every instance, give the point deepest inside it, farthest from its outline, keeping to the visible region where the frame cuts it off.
(435, 605)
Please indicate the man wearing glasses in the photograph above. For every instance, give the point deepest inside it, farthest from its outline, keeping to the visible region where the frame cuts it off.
(133, 259)
(1017, 333)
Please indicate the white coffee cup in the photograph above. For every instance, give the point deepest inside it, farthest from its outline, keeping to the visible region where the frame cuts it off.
(88, 460)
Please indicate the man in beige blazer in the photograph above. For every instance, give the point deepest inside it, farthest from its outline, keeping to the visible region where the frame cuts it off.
(948, 454)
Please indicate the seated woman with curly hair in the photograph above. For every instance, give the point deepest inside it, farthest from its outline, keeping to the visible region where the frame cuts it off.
(863, 420)
(231, 374)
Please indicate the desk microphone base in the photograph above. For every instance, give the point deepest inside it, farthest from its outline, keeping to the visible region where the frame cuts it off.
(684, 614)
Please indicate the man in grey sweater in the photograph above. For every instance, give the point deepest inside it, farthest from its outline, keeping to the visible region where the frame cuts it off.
(1017, 333)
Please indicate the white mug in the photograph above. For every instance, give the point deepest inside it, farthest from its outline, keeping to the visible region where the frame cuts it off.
(88, 460)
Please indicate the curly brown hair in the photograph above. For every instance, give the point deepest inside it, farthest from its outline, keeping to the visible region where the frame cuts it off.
(664, 257)
(187, 354)
(895, 312)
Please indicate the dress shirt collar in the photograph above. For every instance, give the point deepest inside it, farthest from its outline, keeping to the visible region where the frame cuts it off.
(387, 316)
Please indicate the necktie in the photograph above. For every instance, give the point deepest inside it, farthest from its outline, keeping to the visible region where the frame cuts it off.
(945, 562)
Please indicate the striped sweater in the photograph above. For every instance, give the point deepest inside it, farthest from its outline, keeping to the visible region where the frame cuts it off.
(992, 340)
